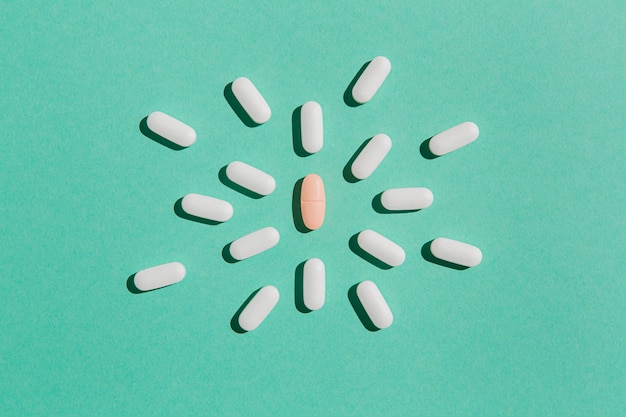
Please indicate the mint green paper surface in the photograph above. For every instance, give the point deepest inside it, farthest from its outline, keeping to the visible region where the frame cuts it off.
(537, 329)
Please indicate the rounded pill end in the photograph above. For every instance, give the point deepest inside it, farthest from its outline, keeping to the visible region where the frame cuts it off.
(360, 97)
(189, 139)
(271, 186)
(228, 211)
(263, 116)
(478, 258)
(427, 198)
(472, 130)
(383, 62)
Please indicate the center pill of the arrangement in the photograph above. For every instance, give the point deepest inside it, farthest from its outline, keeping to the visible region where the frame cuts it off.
(313, 201)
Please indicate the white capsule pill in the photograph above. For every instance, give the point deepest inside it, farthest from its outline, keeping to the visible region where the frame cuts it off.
(159, 276)
(371, 156)
(206, 207)
(312, 127)
(171, 129)
(381, 248)
(371, 79)
(398, 199)
(251, 100)
(254, 243)
(374, 304)
(314, 284)
(453, 138)
(250, 178)
(258, 308)
(456, 252)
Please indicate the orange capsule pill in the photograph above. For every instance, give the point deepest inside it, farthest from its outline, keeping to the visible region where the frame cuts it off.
(313, 201)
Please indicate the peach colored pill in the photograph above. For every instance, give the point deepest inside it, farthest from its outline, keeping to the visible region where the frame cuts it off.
(313, 201)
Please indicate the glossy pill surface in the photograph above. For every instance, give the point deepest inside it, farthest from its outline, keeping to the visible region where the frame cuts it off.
(400, 199)
(313, 201)
(314, 284)
(250, 178)
(371, 156)
(171, 129)
(374, 304)
(251, 100)
(159, 276)
(381, 248)
(312, 127)
(258, 308)
(254, 243)
(453, 138)
(206, 207)
(456, 252)
(371, 79)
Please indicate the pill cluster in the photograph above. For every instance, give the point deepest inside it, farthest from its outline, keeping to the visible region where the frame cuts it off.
(377, 314)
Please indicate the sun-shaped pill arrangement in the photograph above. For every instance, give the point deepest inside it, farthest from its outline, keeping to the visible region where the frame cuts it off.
(368, 302)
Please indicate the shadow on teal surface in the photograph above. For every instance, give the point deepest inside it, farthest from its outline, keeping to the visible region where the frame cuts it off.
(227, 256)
(428, 255)
(296, 207)
(378, 207)
(299, 289)
(180, 212)
(359, 310)
(237, 108)
(425, 150)
(234, 186)
(354, 247)
(234, 321)
(145, 130)
(347, 95)
(296, 132)
(347, 170)
(130, 284)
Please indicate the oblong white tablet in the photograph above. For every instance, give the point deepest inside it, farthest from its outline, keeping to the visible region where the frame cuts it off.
(453, 138)
(399, 199)
(381, 248)
(159, 276)
(374, 304)
(314, 284)
(251, 100)
(206, 207)
(371, 79)
(254, 243)
(171, 129)
(250, 178)
(371, 156)
(312, 127)
(258, 308)
(456, 252)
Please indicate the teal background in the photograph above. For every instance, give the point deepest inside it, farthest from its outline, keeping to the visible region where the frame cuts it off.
(87, 200)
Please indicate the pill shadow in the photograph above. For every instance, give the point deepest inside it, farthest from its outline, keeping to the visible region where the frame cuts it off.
(130, 285)
(347, 95)
(425, 150)
(178, 209)
(299, 289)
(227, 256)
(296, 208)
(236, 106)
(378, 207)
(296, 132)
(234, 186)
(359, 310)
(145, 130)
(428, 255)
(354, 247)
(347, 170)
(234, 321)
